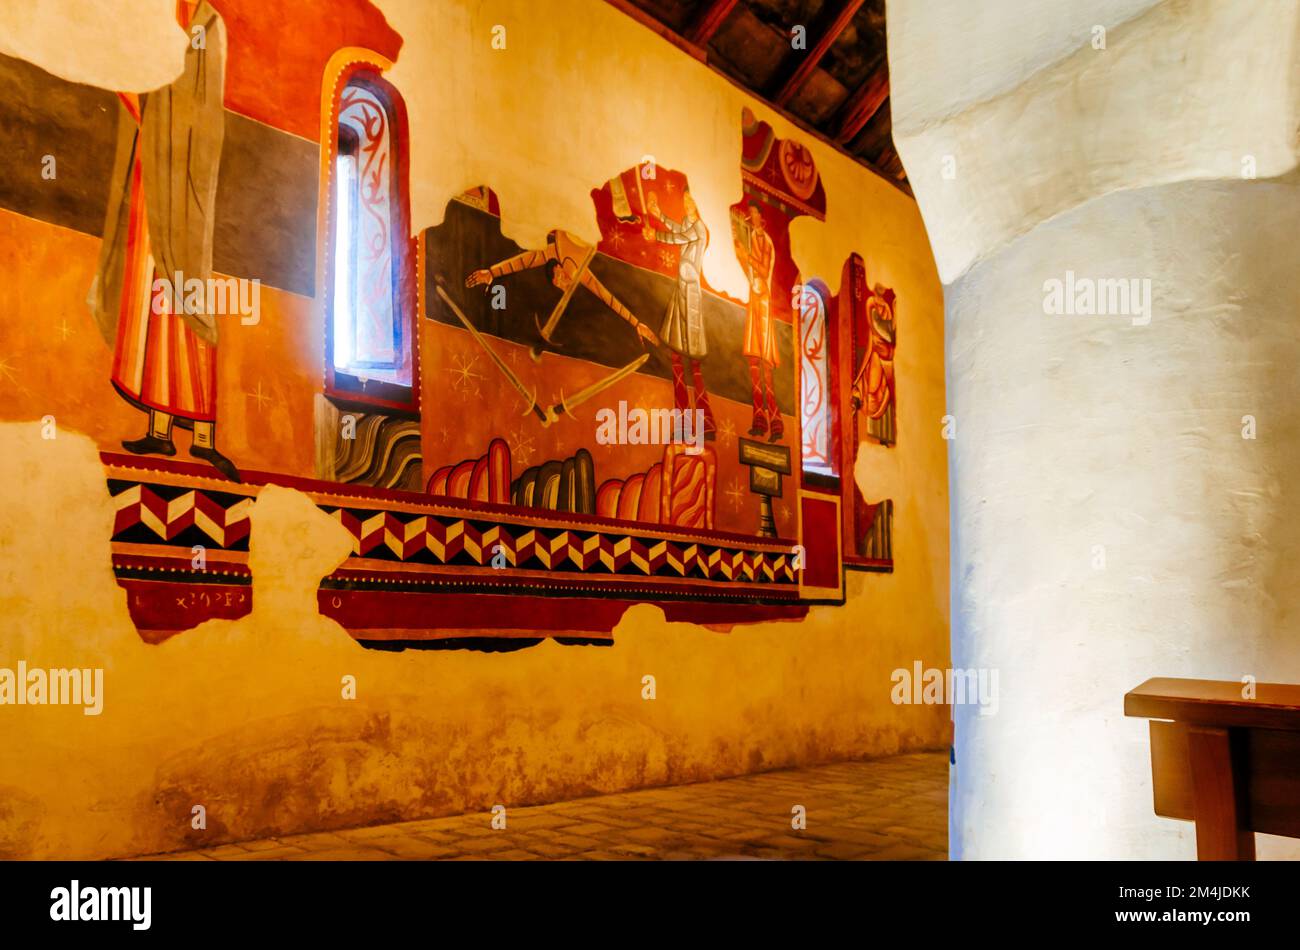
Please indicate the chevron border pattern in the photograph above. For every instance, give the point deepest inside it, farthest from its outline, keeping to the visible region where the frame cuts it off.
(177, 516)
(167, 513)
(440, 540)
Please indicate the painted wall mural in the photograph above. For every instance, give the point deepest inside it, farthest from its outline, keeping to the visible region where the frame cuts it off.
(157, 246)
(522, 441)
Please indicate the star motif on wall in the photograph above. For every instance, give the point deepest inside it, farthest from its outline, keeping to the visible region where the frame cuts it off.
(7, 371)
(64, 329)
(463, 376)
(735, 493)
(615, 240)
(259, 397)
(727, 430)
(521, 446)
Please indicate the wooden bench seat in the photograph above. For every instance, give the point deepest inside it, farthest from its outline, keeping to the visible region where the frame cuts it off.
(1227, 762)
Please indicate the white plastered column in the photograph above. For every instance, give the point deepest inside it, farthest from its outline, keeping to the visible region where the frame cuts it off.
(1109, 521)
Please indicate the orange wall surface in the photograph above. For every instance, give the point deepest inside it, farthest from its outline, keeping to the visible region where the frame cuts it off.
(248, 718)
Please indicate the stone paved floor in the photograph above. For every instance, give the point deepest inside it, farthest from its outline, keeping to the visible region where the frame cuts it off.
(884, 809)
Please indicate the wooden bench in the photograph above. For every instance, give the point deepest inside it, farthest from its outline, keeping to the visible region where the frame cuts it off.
(1229, 763)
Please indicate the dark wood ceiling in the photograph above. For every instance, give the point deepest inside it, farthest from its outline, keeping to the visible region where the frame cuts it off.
(836, 87)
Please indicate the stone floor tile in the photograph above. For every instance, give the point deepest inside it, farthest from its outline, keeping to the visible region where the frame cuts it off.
(882, 809)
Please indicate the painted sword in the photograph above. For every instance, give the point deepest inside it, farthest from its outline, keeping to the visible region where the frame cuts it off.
(582, 395)
(566, 403)
(515, 381)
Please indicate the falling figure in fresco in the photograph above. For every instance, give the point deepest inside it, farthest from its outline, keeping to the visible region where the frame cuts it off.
(159, 227)
(564, 258)
(683, 327)
(758, 255)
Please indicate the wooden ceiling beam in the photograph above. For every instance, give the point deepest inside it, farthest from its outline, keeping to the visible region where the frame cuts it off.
(862, 105)
(813, 57)
(709, 20)
(701, 53)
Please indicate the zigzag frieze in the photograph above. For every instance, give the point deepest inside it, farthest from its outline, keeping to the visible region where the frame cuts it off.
(167, 519)
(559, 549)
(161, 514)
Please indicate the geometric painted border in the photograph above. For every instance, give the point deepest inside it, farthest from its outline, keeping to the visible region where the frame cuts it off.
(422, 567)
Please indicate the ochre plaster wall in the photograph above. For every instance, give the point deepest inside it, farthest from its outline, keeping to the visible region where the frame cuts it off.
(247, 717)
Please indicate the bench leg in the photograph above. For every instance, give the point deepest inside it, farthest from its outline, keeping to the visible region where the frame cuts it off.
(1222, 828)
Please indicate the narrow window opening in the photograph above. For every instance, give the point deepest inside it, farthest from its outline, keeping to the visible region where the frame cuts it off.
(814, 380)
(369, 337)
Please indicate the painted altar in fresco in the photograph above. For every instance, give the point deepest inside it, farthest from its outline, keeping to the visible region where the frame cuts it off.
(521, 441)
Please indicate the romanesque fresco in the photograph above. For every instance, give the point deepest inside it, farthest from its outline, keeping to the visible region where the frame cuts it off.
(625, 330)
(158, 236)
(522, 441)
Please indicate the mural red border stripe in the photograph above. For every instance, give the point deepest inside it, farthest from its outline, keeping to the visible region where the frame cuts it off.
(415, 616)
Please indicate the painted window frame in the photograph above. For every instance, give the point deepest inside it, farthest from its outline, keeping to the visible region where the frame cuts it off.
(816, 476)
(351, 389)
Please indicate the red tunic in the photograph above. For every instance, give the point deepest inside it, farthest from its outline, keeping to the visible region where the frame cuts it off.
(158, 361)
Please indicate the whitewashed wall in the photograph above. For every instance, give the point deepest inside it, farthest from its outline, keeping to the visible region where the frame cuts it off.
(1109, 521)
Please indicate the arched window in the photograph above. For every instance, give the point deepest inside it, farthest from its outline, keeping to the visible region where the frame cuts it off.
(370, 280)
(815, 395)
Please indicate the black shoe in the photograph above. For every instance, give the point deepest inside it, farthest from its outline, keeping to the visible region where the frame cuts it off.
(758, 427)
(149, 445)
(218, 461)
(778, 431)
